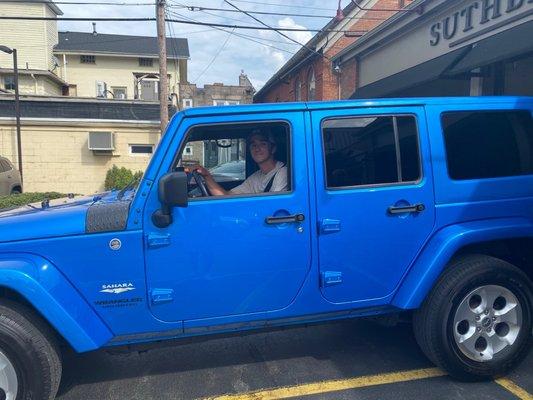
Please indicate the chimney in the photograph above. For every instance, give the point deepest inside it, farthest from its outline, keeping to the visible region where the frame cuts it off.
(243, 80)
(340, 15)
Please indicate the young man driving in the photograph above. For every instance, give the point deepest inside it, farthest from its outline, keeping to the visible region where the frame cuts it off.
(271, 176)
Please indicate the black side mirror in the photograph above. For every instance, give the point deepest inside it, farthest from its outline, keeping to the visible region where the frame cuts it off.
(172, 192)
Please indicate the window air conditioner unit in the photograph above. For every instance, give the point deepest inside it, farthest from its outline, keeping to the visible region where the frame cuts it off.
(101, 141)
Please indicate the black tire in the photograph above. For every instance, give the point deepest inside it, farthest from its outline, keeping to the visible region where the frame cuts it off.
(29, 343)
(16, 191)
(433, 322)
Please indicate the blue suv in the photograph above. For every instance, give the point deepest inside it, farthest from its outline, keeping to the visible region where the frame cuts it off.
(418, 206)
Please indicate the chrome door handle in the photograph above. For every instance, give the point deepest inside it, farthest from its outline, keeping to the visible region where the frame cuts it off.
(415, 208)
(285, 219)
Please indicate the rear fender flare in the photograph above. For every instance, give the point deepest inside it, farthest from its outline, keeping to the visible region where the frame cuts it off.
(429, 265)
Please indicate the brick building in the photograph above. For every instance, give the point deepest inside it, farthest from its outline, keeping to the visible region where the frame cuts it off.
(217, 94)
(311, 75)
(451, 48)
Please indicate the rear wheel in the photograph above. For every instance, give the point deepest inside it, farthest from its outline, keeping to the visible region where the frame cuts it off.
(476, 322)
(30, 364)
(15, 191)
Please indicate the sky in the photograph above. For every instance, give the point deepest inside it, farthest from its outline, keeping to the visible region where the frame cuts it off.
(216, 55)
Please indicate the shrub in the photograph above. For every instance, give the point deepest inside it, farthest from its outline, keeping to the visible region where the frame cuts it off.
(119, 178)
(17, 200)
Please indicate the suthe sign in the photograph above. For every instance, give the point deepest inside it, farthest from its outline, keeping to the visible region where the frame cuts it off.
(474, 16)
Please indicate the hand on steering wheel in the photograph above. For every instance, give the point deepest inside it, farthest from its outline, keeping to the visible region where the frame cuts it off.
(200, 183)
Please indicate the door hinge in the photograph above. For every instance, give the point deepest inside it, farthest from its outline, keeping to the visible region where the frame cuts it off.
(330, 278)
(328, 225)
(154, 240)
(160, 296)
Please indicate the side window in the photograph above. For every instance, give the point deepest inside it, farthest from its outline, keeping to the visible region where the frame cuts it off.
(4, 166)
(488, 144)
(241, 159)
(370, 151)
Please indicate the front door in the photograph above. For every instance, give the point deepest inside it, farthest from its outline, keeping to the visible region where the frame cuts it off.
(223, 258)
(375, 199)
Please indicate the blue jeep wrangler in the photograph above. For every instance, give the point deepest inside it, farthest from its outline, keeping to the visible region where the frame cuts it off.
(331, 210)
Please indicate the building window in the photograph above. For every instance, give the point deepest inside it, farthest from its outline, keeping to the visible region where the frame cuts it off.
(146, 62)
(88, 59)
(187, 103)
(311, 85)
(188, 150)
(141, 149)
(401, 3)
(371, 151)
(298, 90)
(119, 93)
(101, 89)
(9, 82)
(488, 144)
(226, 102)
(73, 90)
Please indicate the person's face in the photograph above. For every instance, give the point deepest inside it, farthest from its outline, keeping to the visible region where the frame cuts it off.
(261, 149)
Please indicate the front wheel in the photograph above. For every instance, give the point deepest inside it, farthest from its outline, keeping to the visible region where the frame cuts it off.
(30, 364)
(476, 322)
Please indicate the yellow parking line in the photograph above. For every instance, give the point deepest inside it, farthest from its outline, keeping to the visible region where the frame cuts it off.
(514, 389)
(335, 385)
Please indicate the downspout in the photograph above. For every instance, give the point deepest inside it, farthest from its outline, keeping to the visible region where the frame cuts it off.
(34, 84)
(65, 68)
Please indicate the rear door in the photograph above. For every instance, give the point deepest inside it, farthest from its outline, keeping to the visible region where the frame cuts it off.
(375, 199)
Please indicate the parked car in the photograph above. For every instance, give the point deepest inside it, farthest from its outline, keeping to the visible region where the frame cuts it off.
(421, 206)
(10, 181)
(230, 171)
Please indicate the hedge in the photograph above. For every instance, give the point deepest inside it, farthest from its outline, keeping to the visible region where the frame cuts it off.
(17, 200)
(119, 178)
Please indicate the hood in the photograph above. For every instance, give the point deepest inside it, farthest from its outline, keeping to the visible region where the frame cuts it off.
(63, 217)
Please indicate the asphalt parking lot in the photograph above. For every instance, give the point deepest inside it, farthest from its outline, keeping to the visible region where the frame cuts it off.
(352, 359)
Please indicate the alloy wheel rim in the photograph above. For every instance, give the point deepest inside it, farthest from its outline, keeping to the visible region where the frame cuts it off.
(487, 321)
(8, 379)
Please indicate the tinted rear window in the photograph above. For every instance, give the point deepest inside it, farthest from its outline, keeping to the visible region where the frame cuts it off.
(488, 144)
(371, 150)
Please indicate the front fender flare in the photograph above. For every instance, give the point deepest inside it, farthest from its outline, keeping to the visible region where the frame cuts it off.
(50, 293)
(424, 273)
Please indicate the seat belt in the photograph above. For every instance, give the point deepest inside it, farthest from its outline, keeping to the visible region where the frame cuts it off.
(271, 181)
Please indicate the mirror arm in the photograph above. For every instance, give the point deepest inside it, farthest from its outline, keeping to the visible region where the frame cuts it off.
(162, 217)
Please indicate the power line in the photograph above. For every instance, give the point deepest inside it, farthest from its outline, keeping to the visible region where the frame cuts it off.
(279, 14)
(281, 33)
(284, 5)
(253, 37)
(214, 58)
(101, 3)
(241, 35)
(250, 27)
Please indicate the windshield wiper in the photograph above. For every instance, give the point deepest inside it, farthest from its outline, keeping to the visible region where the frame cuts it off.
(129, 186)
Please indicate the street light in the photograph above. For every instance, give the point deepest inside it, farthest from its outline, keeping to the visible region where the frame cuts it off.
(8, 50)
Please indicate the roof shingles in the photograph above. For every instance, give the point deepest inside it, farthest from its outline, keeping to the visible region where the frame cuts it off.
(88, 43)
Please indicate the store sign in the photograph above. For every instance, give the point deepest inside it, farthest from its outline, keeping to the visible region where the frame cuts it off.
(471, 20)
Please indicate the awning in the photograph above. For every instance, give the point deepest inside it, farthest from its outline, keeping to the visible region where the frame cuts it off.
(421, 73)
(503, 46)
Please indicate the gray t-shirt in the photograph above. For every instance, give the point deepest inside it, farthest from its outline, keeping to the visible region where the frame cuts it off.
(258, 181)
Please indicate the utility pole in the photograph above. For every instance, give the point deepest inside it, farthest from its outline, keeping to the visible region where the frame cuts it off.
(163, 77)
(7, 50)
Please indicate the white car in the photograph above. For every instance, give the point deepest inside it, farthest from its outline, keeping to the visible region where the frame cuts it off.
(10, 181)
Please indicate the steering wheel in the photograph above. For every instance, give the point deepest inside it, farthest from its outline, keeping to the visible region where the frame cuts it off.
(200, 183)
